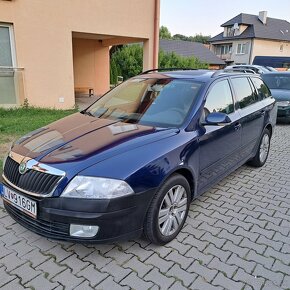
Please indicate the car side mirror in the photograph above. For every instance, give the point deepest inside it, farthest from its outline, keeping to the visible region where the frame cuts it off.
(217, 119)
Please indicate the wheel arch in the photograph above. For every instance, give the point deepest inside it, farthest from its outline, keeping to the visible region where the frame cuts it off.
(188, 175)
(270, 128)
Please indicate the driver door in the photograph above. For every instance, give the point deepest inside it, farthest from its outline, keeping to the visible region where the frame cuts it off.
(220, 144)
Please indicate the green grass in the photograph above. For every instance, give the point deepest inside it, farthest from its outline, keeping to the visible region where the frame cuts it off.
(17, 122)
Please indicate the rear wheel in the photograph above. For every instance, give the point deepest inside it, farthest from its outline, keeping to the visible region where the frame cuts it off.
(168, 210)
(263, 150)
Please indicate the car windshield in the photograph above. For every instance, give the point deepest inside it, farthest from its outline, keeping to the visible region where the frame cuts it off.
(277, 81)
(155, 102)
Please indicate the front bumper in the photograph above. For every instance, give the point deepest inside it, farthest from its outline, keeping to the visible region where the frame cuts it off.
(283, 114)
(117, 219)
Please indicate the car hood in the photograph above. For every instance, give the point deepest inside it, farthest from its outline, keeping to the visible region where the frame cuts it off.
(81, 137)
(281, 95)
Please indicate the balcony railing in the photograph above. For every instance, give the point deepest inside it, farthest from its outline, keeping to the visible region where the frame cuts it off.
(226, 56)
(12, 90)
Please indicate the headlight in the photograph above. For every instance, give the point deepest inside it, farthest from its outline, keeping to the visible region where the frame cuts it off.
(96, 188)
(283, 104)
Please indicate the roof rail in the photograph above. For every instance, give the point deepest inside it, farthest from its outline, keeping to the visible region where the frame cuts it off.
(243, 70)
(233, 70)
(165, 69)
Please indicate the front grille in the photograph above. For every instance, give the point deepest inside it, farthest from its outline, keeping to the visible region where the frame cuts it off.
(32, 181)
(42, 227)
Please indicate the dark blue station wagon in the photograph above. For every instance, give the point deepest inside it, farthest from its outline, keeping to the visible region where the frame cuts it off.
(133, 161)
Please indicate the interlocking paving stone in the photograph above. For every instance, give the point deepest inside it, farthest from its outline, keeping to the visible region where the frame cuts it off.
(181, 260)
(51, 268)
(5, 277)
(92, 275)
(221, 280)
(116, 271)
(237, 236)
(25, 273)
(74, 264)
(253, 281)
(276, 278)
(109, 283)
(180, 274)
(41, 282)
(228, 270)
(14, 284)
(162, 264)
(159, 279)
(133, 281)
(67, 279)
(141, 268)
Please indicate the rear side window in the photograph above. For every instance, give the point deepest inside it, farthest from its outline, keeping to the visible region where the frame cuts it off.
(219, 99)
(244, 93)
(262, 89)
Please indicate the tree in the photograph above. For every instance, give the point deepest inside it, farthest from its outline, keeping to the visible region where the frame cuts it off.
(171, 60)
(128, 62)
(201, 38)
(197, 38)
(164, 33)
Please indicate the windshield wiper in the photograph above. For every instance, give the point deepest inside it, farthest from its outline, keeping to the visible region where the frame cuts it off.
(88, 113)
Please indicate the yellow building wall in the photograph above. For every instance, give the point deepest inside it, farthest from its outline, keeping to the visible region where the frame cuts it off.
(43, 40)
(270, 48)
(91, 65)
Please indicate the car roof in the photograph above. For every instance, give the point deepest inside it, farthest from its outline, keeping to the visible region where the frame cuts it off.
(280, 73)
(200, 75)
(263, 68)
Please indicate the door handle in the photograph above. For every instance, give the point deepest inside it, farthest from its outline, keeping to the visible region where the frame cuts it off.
(237, 126)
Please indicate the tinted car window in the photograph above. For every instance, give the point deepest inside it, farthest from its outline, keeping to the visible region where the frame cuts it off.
(219, 99)
(244, 93)
(277, 81)
(262, 89)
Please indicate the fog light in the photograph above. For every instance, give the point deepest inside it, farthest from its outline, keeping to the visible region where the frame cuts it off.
(83, 231)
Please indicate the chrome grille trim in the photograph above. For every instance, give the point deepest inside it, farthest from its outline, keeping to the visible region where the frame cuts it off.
(35, 165)
(36, 170)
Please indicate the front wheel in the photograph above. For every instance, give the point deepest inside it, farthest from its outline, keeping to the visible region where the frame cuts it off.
(168, 210)
(263, 150)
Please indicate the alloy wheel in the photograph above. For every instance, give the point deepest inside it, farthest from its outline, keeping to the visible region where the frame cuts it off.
(172, 211)
(264, 148)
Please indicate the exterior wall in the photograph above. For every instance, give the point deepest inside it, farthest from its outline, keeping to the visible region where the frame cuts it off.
(234, 56)
(270, 48)
(241, 58)
(91, 65)
(256, 47)
(43, 40)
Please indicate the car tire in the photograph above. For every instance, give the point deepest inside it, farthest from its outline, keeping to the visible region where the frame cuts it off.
(168, 210)
(263, 150)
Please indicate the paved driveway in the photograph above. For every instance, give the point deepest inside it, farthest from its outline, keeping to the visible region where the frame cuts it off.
(236, 237)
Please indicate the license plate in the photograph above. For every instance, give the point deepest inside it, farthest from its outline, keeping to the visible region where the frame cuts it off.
(21, 202)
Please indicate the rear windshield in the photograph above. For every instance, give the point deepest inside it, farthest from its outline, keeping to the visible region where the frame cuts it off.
(277, 81)
(155, 102)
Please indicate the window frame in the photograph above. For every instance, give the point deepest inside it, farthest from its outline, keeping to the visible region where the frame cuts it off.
(257, 90)
(243, 48)
(251, 85)
(12, 43)
(210, 89)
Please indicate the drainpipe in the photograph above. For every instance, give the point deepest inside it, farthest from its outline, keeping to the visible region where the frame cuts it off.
(156, 33)
(251, 51)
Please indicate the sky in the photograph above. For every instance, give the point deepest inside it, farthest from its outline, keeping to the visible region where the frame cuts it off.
(190, 17)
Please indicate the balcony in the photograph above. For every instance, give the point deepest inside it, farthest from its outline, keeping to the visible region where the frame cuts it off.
(226, 56)
(12, 92)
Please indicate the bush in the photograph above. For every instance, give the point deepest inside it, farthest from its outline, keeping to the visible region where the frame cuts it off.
(128, 62)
